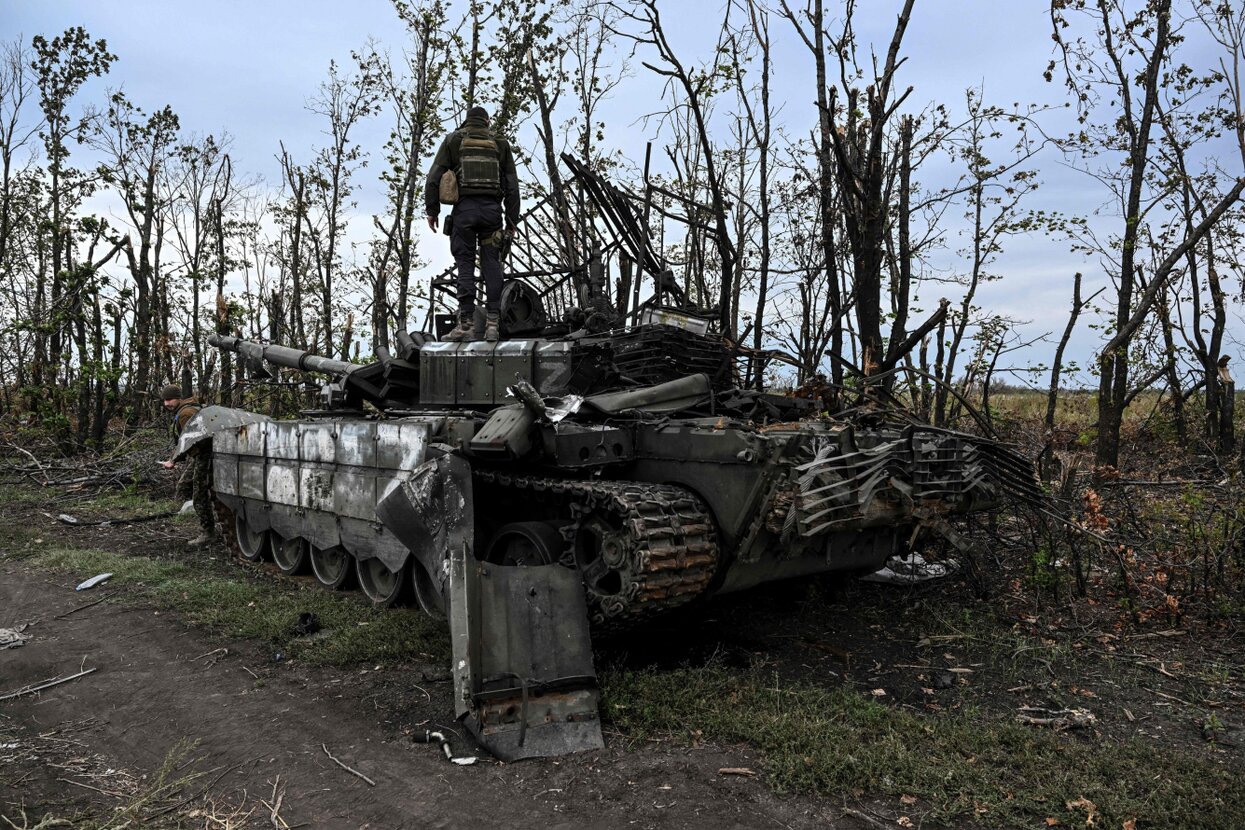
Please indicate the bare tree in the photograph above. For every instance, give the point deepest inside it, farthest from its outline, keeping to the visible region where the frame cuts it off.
(343, 101)
(61, 66)
(293, 218)
(17, 86)
(810, 24)
(138, 149)
(993, 191)
(858, 139)
(200, 186)
(759, 120)
(412, 94)
(1122, 62)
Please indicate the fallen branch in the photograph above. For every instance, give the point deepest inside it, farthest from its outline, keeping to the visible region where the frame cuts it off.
(47, 684)
(89, 787)
(40, 467)
(65, 518)
(350, 770)
(274, 816)
(104, 598)
(1060, 720)
(223, 652)
(865, 817)
(1192, 482)
(192, 797)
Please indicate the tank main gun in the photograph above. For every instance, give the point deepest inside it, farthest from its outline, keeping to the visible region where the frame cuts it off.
(282, 355)
(351, 384)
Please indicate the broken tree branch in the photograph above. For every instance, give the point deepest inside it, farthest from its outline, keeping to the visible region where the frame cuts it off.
(47, 684)
(72, 611)
(350, 770)
(910, 342)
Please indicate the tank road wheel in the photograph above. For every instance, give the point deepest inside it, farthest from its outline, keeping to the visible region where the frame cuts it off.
(602, 547)
(333, 567)
(381, 585)
(252, 546)
(290, 555)
(427, 591)
(526, 543)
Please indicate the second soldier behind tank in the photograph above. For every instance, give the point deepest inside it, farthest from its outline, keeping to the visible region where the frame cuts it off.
(488, 201)
(200, 472)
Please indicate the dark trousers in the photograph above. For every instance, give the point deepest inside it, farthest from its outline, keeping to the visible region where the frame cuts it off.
(475, 220)
(196, 483)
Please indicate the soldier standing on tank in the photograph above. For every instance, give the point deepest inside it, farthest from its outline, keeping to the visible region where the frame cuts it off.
(484, 167)
(200, 456)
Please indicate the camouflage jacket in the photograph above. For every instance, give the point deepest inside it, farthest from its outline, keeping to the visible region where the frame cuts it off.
(186, 410)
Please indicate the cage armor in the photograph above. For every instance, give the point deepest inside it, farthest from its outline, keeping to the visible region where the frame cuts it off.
(479, 164)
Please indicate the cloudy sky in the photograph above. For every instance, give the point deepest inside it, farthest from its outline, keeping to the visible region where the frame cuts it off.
(249, 68)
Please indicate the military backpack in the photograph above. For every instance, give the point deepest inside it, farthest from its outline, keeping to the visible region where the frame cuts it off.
(479, 165)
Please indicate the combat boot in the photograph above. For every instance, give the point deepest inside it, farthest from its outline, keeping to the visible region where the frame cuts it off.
(491, 330)
(204, 540)
(465, 331)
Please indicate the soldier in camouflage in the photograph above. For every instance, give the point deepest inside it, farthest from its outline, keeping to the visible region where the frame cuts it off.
(199, 476)
(487, 201)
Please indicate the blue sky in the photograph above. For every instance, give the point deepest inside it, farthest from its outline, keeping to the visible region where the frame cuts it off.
(249, 67)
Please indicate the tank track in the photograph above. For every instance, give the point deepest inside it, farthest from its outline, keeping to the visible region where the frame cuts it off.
(664, 549)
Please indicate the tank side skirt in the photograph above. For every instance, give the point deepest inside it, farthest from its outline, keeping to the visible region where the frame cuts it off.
(320, 481)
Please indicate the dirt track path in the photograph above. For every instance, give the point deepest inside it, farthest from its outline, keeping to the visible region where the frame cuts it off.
(154, 686)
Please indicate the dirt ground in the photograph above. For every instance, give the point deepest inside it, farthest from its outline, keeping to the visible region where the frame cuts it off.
(259, 732)
(154, 687)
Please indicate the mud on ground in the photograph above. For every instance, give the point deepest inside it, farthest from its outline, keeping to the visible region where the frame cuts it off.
(181, 727)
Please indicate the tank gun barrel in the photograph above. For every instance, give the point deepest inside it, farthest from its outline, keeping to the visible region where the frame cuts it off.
(282, 355)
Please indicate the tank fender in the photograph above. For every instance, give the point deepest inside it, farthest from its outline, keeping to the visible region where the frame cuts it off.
(209, 420)
(432, 513)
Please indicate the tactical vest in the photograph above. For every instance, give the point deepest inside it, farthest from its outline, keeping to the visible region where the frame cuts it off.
(479, 164)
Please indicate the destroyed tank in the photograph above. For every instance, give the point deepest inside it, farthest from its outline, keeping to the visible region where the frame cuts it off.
(590, 470)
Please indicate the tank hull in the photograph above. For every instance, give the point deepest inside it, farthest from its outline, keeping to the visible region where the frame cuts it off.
(776, 503)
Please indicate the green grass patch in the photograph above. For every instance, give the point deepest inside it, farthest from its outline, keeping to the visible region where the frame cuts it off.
(262, 609)
(12, 494)
(961, 765)
(128, 503)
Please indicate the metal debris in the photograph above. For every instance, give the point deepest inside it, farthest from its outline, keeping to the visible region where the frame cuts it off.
(910, 570)
(429, 736)
(98, 579)
(13, 637)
